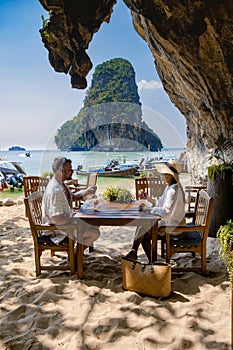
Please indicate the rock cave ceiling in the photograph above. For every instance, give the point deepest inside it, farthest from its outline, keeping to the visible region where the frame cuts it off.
(192, 43)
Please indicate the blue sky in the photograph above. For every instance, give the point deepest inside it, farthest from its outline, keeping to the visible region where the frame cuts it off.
(35, 100)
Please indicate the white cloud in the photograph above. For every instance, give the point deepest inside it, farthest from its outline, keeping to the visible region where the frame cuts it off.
(149, 85)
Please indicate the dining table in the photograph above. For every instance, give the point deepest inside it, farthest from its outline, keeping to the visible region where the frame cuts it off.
(106, 213)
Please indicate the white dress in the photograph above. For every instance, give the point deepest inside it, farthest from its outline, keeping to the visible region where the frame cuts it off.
(171, 206)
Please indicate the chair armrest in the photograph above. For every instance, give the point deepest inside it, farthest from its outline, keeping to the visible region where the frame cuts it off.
(80, 187)
(77, 188)
(51, 227)
(190, 228)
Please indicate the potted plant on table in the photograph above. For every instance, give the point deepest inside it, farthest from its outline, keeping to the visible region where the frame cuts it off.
(118, 194)
(220, 183)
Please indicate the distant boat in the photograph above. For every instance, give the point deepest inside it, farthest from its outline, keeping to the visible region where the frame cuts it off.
(16, 148)
(26, 154)
(149, 163)
(113, 169)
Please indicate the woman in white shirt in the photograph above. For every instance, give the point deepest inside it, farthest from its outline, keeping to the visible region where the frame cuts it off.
(170, 207)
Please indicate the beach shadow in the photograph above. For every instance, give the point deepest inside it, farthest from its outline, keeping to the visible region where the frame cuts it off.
(55, 308)
(12, 223)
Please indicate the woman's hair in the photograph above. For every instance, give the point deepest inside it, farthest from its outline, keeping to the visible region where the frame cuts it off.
(173, 180)
(60, 162)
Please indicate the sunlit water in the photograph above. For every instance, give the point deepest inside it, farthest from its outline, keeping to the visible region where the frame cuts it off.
(40, 162)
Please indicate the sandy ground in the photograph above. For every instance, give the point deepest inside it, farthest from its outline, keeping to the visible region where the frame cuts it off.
(57, 311)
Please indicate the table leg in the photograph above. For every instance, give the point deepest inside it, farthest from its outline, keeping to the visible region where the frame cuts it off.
(154, 238)
(80, 261)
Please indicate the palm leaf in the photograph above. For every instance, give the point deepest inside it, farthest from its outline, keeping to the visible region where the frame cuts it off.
(224, 149)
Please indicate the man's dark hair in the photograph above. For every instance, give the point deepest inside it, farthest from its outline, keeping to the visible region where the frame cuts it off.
(60, 162)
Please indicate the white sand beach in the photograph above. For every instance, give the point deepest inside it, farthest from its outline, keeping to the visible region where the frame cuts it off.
(57, 311)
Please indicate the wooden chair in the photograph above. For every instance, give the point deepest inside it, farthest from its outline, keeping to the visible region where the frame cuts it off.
(91, 181)
(192, 237)
(190, 198)
(33, 184)
(33, 205)
(152, 186)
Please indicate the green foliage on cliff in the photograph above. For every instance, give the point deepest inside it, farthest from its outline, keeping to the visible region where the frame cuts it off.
(111, 118)
(223, 152)
(113, 81)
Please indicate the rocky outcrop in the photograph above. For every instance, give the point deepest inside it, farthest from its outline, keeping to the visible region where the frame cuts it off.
(192, 43)
(111, 118)
(68, 31)
(8, 202)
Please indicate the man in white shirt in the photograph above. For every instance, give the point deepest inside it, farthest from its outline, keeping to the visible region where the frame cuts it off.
(57, 204)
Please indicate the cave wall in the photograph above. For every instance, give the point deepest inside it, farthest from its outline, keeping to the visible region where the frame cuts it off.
(192, 43)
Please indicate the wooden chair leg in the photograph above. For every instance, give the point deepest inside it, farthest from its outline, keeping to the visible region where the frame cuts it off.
(71, 256)
(203, 260)
(154, 241)
(71, 259)
(37, 262)
(163, 243)
(168, 248)
(79, 260)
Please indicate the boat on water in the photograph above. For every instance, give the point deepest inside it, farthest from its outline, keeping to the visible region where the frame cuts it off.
(150, 162)
(112, 168)
(11, 174)
(26, 154)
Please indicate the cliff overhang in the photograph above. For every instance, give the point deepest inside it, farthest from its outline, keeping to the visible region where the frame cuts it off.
(191, 42)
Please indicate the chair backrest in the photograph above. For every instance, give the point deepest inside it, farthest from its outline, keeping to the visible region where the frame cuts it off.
(191, 196)
(92, 179)
(34, 183)
(203, 211)
(156, 186)
(33, 205)
(152, 186)
(141, 184)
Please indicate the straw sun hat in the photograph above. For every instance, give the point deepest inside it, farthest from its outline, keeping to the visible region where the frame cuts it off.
(169, 167)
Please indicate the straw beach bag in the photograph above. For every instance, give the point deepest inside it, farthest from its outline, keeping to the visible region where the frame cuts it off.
(149, 279)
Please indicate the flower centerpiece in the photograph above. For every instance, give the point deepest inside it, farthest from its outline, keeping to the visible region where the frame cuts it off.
(117, 194)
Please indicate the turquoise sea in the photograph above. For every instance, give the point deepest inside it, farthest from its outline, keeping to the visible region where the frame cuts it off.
(40, 161)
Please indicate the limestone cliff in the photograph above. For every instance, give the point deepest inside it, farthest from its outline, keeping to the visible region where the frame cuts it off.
(111, 118)
(191, 41)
